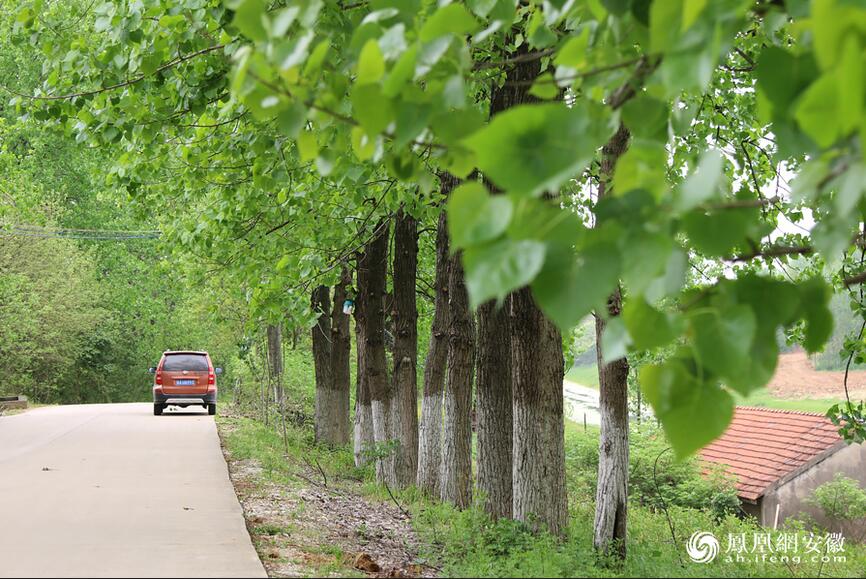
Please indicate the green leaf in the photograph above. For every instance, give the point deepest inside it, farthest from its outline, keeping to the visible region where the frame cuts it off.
(702, 184)
(475, 216)
(291, 119)
(691, 10)
(530, 149)
(401, 73)
(850, 82)
(249, 18)
(648, 327)
(643, 166)
(570, 284)
(454, 93)
(460, 162)
(573, 53)
(317, 58)
(371, 108)
(782, 76)
(775, 302)
(717, 233)
(412, 119)
(497, 269)
(615, 340)
(371, 64)
(481, 7)
(363, 145)
(450, 19)
(283, 19)
(665, 24)
(617, 7)
(723, 338)
(545, 221)
(815, 299)
(308, 147)
(544, 87)
(673, 277)
(692, 413)
(645, 258)
(452, 126)
(818, 112)
(646, 117)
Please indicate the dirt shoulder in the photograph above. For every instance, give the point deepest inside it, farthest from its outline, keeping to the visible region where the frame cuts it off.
(306, 520)
(6, 410)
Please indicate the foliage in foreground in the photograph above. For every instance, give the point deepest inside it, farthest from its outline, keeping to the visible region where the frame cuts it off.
(327, 116)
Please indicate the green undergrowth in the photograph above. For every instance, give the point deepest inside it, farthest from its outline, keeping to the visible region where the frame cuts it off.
(585, 375)
(285, 459)
(670, 500)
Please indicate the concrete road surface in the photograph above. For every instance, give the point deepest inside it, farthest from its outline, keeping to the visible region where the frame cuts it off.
(581, 402)
(113, 491)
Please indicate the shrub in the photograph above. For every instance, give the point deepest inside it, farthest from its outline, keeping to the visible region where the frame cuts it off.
(843, 501)
(656, 479)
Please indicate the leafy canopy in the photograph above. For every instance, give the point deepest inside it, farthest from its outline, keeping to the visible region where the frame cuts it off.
(291, 126)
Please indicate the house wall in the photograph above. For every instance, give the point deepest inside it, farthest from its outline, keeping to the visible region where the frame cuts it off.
(791, 496)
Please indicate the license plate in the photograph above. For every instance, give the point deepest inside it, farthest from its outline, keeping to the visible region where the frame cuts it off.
(184, 382)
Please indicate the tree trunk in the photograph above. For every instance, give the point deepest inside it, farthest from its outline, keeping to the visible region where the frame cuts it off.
(363, 427)
(320, 303)
(494, 398)
(275, 361)
(494, 406)
(539, 446)
(372, 269)
(430, 432)
(457, 450)
(611, 501)
(332, 399)
(405, 413)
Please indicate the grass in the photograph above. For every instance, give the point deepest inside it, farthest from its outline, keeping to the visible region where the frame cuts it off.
(585, 375)
(763, 399)
(467, 543)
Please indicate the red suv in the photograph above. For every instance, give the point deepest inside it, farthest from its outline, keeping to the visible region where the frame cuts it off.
(183, 379)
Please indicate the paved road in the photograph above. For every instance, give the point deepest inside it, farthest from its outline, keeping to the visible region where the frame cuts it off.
(113, 491)
(581, 402)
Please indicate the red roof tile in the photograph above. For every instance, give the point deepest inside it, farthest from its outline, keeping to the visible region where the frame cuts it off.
(763, 445)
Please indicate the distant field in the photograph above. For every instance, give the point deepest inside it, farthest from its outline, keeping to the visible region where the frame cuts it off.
(764, 399)
(586, 375)
(796, 377)
(795, 386)
(789, 390)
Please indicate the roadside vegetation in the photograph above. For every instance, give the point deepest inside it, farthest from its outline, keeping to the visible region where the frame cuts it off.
(667, 497)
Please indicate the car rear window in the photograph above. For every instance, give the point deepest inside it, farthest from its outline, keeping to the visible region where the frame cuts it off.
(190, 362)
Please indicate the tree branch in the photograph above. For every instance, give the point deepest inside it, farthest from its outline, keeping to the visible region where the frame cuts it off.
(123, 84)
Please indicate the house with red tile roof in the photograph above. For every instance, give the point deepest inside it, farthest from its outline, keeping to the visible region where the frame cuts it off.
(779, 457)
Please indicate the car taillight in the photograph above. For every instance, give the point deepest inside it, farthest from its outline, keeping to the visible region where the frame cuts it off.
(159, 378)
(211, 378)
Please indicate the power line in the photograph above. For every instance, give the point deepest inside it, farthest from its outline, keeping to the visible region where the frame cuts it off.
(77, 233)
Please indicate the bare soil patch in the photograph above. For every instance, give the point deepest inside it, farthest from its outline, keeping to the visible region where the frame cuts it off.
(323, 528)
(796, 377)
